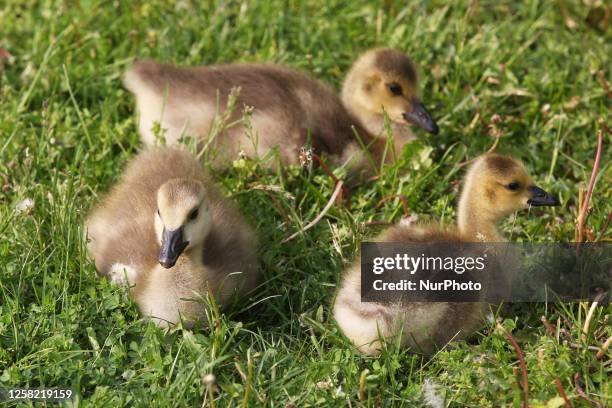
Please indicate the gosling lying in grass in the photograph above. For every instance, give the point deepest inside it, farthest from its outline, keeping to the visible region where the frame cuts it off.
(290, 109)
(167, 231)
(494, 187)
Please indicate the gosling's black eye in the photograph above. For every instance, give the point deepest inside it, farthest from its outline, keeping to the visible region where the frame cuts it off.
(158, 213)
(513, 186)
(395, 89)
(193, 214)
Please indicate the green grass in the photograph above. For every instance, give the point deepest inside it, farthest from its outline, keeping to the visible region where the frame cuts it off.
(67, 129)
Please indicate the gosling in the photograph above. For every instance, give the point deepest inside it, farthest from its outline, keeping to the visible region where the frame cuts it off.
(167, 232)
(494, 187)
(290, 109)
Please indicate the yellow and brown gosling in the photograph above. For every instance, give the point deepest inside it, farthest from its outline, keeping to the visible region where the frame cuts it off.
(494, 187)
(290, 109)
(167, 232)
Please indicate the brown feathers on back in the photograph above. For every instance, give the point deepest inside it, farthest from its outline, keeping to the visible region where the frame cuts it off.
(289, 108)
(261, 84)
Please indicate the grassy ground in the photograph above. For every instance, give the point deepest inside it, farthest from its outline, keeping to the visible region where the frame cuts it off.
(67, 129)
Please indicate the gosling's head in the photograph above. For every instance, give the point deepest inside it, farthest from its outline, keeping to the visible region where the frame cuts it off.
(498, 185)
(386, 80)
(183, 218)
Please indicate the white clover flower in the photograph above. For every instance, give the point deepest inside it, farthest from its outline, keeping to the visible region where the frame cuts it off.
(24, 206)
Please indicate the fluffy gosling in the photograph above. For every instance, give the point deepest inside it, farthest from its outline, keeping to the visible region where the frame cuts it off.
(166, 231)
(494, 187)
(290, 109)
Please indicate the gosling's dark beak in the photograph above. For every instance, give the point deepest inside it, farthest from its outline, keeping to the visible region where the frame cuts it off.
(172, 246)
(540, 197)
(420, 117)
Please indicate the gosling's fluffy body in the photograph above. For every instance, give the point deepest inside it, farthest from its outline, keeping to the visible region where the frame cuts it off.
(290, 109)
(425, 327)
(286, 104)
(422, 326)
(124, 241)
